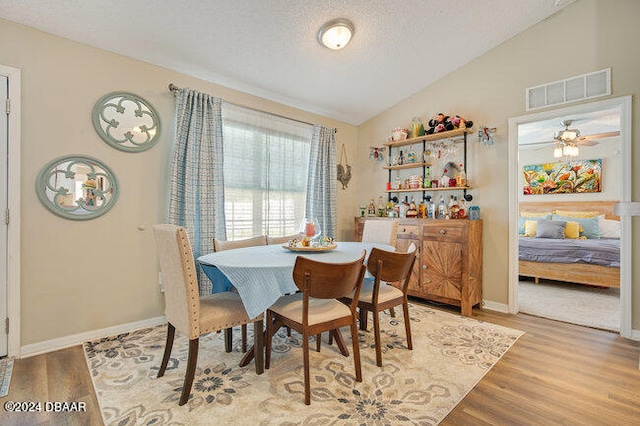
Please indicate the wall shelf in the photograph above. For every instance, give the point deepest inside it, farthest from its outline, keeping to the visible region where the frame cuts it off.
(426, 138)
(449, 188)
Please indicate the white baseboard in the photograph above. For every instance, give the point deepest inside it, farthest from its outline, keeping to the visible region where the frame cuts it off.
(635, 334)
(495, 306)
(77, 339)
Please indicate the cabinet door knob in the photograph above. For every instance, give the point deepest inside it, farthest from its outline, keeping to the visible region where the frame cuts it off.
(424, 267)
(442, 232)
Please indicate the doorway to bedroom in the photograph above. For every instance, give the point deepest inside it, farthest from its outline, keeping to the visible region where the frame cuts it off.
(570, 173)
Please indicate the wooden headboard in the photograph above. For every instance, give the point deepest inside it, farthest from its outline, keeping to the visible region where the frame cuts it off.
(604, 207)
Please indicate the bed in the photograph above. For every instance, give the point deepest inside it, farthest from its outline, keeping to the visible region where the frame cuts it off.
(588, 261)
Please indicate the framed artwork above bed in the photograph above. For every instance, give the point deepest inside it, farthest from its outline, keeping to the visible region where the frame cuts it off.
(568, 177)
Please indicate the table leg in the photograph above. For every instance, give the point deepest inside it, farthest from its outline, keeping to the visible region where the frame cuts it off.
(258, 341)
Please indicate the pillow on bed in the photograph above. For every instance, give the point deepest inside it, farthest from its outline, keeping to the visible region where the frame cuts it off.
(530, 228)
(551, 229)
(589, 225)
(609, 228)
(523, 219)
(569, 213)
(572, 230)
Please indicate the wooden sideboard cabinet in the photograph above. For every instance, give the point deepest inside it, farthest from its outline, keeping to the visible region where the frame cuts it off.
(450, 258)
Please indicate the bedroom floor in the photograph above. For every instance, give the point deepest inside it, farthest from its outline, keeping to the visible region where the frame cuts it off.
(595, 307)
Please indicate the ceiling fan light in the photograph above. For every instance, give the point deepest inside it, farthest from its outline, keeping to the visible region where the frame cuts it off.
(336, 34)
(557, 152)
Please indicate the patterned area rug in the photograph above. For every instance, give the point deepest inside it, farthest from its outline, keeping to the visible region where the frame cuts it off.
(6, 368)
(419, 387)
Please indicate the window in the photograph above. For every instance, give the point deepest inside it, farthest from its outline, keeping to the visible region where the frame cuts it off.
(266, 162)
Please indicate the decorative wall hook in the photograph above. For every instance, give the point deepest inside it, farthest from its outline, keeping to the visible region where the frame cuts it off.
(377, 154)
(484, 135)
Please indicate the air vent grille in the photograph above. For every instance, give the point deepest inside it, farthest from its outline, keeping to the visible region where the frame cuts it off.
(572, 89)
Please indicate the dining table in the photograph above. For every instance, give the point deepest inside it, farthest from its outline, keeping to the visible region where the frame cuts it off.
(262, 274)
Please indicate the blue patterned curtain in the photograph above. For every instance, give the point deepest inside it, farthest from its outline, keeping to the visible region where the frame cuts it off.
(322, 181)
(196, 200)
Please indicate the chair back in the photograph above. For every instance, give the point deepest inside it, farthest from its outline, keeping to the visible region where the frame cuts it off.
(392, 266)
(328, 280)
(380, 231)
(220, 245)
(283, 240)
(180, 278)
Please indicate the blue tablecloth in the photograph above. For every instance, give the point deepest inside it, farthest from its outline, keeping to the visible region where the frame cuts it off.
(262, 274)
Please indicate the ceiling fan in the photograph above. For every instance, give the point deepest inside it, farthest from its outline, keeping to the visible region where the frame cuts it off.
(573, 135)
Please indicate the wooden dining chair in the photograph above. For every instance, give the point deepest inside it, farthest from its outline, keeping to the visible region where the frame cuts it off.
(383, 232)
(376, 295)
(190, 314)
(315, 309)
(220, 245)
(380, 231)
(283, 240)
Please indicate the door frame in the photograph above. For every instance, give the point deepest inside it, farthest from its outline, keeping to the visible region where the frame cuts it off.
(13, 204)
(624, 103)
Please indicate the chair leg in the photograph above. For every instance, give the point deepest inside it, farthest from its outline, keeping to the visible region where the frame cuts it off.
(318, 341)
(244, 338)
(392, 312)
(258, 345)
(228, 340)
(356, 351)
(364, 318)
(192, 361)
(376, 332)
(305, 356)
(407, 324)
(171, 332)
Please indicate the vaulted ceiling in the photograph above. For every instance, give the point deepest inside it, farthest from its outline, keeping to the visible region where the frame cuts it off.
(269, 48)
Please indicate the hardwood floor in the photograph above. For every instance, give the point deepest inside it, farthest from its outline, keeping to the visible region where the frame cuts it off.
(555, 374)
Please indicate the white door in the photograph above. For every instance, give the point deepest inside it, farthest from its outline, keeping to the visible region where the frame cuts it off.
(4, 81)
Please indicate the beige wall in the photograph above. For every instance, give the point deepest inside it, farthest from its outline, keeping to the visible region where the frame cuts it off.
(587, 36)
(79, 276)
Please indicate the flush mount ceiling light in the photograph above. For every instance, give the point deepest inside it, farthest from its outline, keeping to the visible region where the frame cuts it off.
(336, 34)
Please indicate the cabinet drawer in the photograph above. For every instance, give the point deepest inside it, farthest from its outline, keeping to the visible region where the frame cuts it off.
(408, 232)
(444, 232)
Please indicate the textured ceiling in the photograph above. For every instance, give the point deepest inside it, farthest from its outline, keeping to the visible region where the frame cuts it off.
(269, 48)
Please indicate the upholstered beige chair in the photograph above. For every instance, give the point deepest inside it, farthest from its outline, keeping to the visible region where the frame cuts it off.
(376, 295)
(190, 314)
(220, 245)
(380, 231)
(315, 309)
(282, 240)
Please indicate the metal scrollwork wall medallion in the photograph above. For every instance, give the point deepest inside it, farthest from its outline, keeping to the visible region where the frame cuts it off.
(77, 187)
(126, 121)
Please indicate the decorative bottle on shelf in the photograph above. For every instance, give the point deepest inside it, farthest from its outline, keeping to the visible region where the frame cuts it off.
(430, 208)
(441, 208)
(462, 213)
(412, 211)
(402, 209)
(461, 178)
(371, 210)
(411, 155)
(381, 207)
(426, 182)
(454, 209)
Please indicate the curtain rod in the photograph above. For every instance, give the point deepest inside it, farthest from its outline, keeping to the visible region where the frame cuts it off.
(173, 88)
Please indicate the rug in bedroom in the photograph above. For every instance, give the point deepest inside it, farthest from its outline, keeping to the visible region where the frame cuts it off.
(579, 304)
(450, 355)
